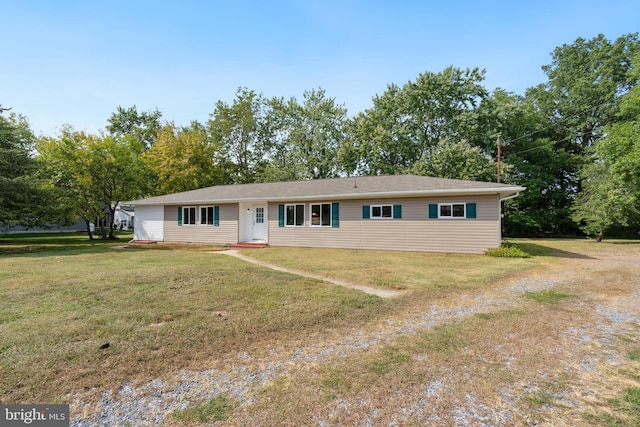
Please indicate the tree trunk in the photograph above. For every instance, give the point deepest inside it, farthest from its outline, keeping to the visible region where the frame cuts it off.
(103, 231)
(88, 224)
(112, 219)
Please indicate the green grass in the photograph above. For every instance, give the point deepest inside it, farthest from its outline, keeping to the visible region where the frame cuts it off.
(508, 314)
(625, 410)
(163, 308)
(444, 339)
(540, 398)
(217, 409)
(44, 243)
(387, 361)
(547, 296)
(634, 354)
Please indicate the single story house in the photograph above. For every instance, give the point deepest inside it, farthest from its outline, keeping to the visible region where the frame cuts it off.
(395, 212)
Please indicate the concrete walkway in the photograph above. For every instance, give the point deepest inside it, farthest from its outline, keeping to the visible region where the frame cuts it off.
(383, 293)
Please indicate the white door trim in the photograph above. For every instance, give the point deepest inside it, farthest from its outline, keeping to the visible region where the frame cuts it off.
(259, 221)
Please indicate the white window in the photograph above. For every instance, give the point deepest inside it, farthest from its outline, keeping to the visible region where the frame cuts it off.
(451, 210)
(294, 215)
(189, 215)
(259, 215)
(382, 211)
(206, 215)
(321, 215)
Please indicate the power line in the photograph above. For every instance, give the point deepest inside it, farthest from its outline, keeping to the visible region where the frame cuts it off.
(530, 134)
(560, 121)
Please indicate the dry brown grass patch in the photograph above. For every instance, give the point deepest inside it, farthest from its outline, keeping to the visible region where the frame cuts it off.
(434, 375)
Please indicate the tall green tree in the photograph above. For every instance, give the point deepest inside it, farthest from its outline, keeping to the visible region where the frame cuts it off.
(604, 201)
(93, 174)
(564, 118)
(239, 129)
(458, 160)
(405, 123)
(63, 162)
(538, 163)
(586, 81)
(143, 125)
(282, 160)
(184, 159)
(115, 170)
(610, 194)
(306, 137)
(24, 200)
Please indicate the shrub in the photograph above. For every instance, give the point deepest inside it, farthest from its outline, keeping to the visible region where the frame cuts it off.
(508, 250)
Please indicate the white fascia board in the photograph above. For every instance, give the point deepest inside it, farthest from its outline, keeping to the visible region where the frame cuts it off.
(502, 191)
(402, 194)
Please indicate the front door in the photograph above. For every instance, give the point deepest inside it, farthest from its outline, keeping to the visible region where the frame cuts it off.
(259, 220)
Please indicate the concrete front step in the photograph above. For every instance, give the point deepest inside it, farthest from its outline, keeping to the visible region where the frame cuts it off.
(249, 245)
(143, 242)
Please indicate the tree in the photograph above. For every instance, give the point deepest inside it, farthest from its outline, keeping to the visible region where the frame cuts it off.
(282, 161)
(23, 198)
(558, 123)
(63, 162)
(306, 137)
(603, 201)
(239, 129)
(538, 163)
(458, 160)
(184, 159)
(406, 122)
(586, 80)
(129, 122)
(115, 168)
(93, 174)
(610, 193)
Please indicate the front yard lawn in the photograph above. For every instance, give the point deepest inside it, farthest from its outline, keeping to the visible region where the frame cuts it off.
(159, 310)
(63, 299)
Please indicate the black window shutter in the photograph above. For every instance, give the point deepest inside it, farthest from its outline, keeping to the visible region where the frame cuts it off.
(280, 215)
(179, 215)
(216, 216)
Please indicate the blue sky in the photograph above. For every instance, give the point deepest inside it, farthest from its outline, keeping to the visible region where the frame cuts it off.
(75, 62)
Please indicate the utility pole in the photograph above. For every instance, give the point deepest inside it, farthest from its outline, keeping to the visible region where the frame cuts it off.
(499, 143)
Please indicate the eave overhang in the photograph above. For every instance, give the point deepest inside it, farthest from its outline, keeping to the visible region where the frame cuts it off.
(503, 192)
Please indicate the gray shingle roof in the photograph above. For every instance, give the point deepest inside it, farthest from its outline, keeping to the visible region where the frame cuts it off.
(333, 189)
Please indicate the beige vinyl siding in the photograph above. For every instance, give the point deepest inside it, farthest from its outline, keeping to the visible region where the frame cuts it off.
(225, 233)
(415, 231)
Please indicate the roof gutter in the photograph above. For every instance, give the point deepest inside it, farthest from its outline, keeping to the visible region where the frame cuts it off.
(511, 196)
(509, 192)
